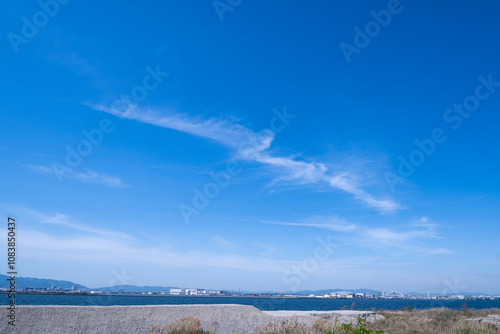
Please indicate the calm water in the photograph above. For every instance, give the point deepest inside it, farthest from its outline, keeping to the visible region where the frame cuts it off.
(264, 304)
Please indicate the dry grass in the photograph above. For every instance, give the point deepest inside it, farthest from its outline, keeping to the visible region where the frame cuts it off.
(292, 326)
(187, 325)
(283, 327)
(434, 321)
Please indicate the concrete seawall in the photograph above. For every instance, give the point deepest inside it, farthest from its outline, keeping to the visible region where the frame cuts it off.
(218, 319)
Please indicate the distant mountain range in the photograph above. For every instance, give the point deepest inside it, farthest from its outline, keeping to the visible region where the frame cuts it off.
(38, 283)
(41, 283)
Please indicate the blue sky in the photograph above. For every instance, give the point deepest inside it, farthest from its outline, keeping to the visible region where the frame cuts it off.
(355, 144)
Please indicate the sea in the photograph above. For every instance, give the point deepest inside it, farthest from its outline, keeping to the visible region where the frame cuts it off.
(263, 304)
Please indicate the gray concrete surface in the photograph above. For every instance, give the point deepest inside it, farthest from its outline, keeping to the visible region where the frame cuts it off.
(218, 319)
(493, 319)
(343, 316)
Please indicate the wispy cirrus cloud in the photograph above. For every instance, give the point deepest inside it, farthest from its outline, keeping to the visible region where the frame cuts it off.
(420, 237)
(99, 250)
(223, 131)
(441, 251)
(327, 223)
(266, 248)
(88, 176)
(111, 247)
(390, 237)
(37, 217)
(251, 146)
(223, 242)
(377, 237)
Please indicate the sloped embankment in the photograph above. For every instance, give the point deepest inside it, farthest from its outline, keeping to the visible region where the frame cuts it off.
(218, 319)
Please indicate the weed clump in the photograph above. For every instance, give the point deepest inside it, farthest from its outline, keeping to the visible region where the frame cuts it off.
(320, 326)
(187, 325)
(360, 329)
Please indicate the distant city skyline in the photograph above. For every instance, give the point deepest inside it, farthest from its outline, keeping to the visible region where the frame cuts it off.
(253, 145)
(41, 285)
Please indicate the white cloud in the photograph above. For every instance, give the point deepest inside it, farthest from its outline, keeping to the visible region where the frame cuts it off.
(98, 250)
(89, 176)
(251, 146)
(225, 132)
(223, 242)
(61, 219)
(94, 177)
(103, 250)
(116, 248)
(377, 237)
(328, 223)
(36, 217)
(268, 249)
(386, 236)
(410, 240)
(343, 183)
(441, 251)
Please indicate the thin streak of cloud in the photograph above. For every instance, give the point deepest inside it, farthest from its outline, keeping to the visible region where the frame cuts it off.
(95, 249)
(387, 236)
(376, 237)
(441, 251)
(223, 242)
(102, 250)
(64, 220)
(225, 132)
(94, 177)
(251, 146)
(329, 223)
(470, 199)
(37, 217)
(89, 176)
(267, 248)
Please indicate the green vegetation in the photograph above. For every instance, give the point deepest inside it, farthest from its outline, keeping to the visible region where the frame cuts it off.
(361, 329)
